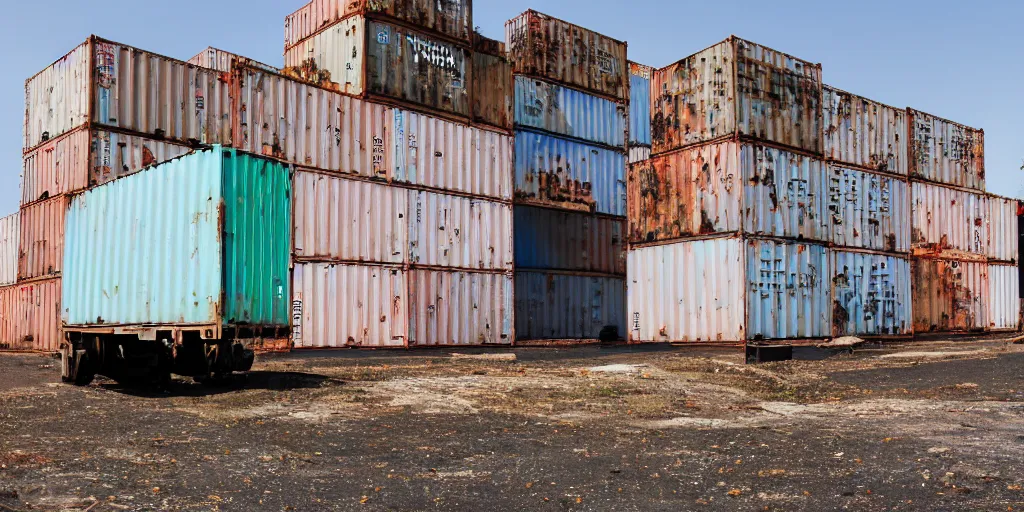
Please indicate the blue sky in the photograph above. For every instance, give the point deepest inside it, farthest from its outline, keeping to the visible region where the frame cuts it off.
(959, 60)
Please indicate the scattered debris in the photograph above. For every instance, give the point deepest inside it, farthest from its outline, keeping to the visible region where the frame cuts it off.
(843, 342)
(504, 358)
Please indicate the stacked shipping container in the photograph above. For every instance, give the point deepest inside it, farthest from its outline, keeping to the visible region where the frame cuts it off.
(571, 120)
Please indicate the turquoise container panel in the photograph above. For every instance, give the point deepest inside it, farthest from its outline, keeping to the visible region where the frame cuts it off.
(257, 240)
(788, 291)
(145, 249)
(564, 111)
(639, 110)
(561, 173)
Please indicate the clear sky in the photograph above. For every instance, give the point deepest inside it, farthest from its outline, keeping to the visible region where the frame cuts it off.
(959, 60)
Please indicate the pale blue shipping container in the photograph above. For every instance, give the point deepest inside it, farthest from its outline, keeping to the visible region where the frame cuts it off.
(871, 295)
(639, 105)
(562, 173)
(788, 291)
(553, 306)
(565, 111)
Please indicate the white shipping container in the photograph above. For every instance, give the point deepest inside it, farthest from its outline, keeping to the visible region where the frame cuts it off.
(948, 222)
(220, 60)
(57, 99)
(10, 229)
(457, 232)
(1004, 297)
(330, 50)
(1003, 235)
(864, 133)
(460, 308)
(942, 151)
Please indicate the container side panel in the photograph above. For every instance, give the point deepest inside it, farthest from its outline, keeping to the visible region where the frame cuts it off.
(493, 90)
(452, 18)
(789, 294)
(565, 111)
(41, 240)
(548, 239)
(349, 306)
(457, 232)
(10, 229)
(146, 249)
(867, 211)
(640, 104)
(551, 306)
(332, 58)
(59, 166)
(694, 99)
(220, 60)
(638, 154)
(687, 292)
(784, 194)
(57, 99)
(1003, 238)
(870, 295)
(864, 133)
(460, 308)
(560, 173)
(950, 296)
(1004, 298)
(946, 152)
(30, 316)
(948, 222)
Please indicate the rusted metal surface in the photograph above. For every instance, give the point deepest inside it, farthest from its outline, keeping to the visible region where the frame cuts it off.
(546, 47)
(691, 192)
(864, 133)
(452, 308)
(332, 58)
(1004, 298)
(1003, 234)
(338, 219)
(10, 229)
(638, 154)
(946, 152)
(349, 306)
(947, 222)
(493, 89)
(784, 194)
(560, 110)
(57, 99)
(950, 295)
(549, 239)
(458, 232)
(788, 291)
(41, 241)
(871, 295)
(728, 89)
(692, 291)
(561, 173)
(868, 211)
(220, 60)
(640, 104)
(554, 306)
(452, 18)
(446, 155)
(30, 316)
(310, 126)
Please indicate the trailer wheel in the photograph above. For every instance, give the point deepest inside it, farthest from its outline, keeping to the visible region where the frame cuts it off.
(75, 367)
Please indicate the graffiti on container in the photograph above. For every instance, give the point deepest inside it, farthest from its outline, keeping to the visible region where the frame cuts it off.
(556, 188)
(431, 53)
(297, 320)
(106, 65)
(845, 189)
(878, 304)
(605, 62)
(774, 279)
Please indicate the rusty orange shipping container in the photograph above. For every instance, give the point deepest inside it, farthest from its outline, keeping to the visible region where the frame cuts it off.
(948, 222)
(41, 246)
(30, 316)
(950, 295)
(493, 88)
(450, 18)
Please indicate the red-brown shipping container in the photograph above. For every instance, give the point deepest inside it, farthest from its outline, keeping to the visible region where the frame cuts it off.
(949, 295)
(493, 87)
(30, 316)
(41, 245)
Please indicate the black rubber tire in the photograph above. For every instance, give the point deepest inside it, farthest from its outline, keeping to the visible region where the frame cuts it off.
(75, 367)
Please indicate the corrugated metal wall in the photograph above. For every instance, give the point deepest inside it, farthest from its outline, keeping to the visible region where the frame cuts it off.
(349, 306)
(593, 62)
(493, 87)
(688, 292)
(41, 245)
(220, 60)
(566, 174)
(788, 292)
(871, 295)
(868, 211)
(688, 105)
(1003, 236)
(1004, 297)
(638, 154)
(10, 229)
(949, 295)
(460, 308)
(548, 239)
(946, 152)
(449, 17)
(30, 316)
(864, 133)
(320, 58)
(565, 111)
(457, 232)
(690, 192)
(948, 222)
(783, 194)
(640, 104)
(57, 99)
(338, 219)
(552, 306)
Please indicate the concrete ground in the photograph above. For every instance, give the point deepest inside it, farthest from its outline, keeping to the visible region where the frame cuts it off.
(937, 425)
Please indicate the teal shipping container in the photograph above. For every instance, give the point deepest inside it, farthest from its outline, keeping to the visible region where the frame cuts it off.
(199, 242)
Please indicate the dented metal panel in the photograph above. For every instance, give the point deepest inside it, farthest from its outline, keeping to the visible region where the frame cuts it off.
(784, 194)
(1004, 298)
(446, 155)
(694, 100)
(788, 292)
(948, 222)
(553, 306)
(449, 308)
(950, 295)
(864, 133)
(493, 87)
(10, 229)
(638, 154)
(338, 219)
(549, 239)
(564, 111)
(452, 18)
(640, 104)
(332, 58)
(871, 295)
(349, 306)
(458, 232)
(561, 173)
(691, 192)
(57, 98)
(41, 241)
(310, 126)
(690, 291)
(946, 152)
(220, 60)
(1003, 234)
(868, 211)
(546, 47)
(30, 316)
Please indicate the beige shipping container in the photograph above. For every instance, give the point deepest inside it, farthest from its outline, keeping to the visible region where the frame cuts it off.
(1003, 234)
(458, 232)
(30, 316)
(864, 133)
(942, 151)
(453, 308)
(10, 228)
(41, 245)
(948, 223)
(1004, 297)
